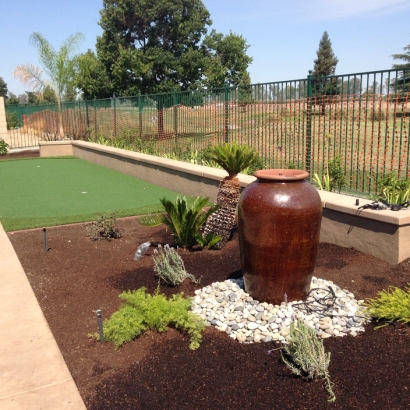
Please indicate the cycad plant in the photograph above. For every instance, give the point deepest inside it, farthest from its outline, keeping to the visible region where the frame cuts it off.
(233, 158)
(185, 220)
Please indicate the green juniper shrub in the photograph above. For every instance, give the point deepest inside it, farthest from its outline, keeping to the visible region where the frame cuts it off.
(391, 305)
(3, 147)
(104, 227)
(170, 267)
(305, 355)
(184, 220)
(141, 311)
(336, 173)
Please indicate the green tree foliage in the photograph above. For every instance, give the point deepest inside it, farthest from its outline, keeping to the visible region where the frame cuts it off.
(156, 46)
(59, 66)
(152, 46)
(226, 59)
(3, 88)
(403, 81)
(325, 65)
(92, 78)
(12, 99)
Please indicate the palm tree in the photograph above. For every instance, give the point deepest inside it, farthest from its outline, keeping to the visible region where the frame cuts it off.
(59, 66)
(233, 158)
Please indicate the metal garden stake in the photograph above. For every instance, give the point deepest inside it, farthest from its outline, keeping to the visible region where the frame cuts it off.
(45, 239)
(100, 327)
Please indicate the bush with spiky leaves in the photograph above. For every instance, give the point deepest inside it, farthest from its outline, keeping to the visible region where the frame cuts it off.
(391, 305)
(233, 158)
(305, 355)
(184, 220)
(142, 311)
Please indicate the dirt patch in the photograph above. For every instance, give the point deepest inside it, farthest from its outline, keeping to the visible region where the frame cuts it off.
(76, 276)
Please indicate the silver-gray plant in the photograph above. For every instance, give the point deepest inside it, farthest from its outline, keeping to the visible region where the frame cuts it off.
(305, 355)
(170, 266)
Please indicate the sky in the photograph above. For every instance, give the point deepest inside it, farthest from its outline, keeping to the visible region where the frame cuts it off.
(283, 35)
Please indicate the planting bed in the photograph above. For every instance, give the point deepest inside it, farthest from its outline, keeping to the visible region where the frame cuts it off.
(76, 276)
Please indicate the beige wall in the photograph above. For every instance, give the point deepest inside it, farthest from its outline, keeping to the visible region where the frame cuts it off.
(383, 234)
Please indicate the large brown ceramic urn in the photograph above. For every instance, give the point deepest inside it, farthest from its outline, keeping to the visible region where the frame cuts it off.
(279, 218)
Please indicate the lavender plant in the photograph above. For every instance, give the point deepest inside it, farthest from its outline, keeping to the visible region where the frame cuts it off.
(170, 266)
(305, 355)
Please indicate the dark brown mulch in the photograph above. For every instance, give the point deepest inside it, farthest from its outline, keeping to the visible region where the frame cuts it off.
(21, 154)
(158, 371)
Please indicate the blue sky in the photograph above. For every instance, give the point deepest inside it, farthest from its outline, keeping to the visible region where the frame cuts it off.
(283, 35)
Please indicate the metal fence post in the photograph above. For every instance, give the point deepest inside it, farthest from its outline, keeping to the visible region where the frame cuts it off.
(175, 115)
(309, 123)
(226, 116)
(115, 116)
(95, 116)
(86, 115)
(140, 114)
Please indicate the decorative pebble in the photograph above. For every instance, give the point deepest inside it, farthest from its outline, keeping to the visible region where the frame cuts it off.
(229, 308)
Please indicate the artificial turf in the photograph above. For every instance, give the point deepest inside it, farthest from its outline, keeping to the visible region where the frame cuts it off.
(53, 191)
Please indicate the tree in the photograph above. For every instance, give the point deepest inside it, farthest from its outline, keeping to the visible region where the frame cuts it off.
(325, 65)
(351, 87)
(233, 158)
(92, 78)
(12, 99)
(23, 98)
(59, 66)
(3, 88)
(403, 79)
(226, 60)
(152, 46)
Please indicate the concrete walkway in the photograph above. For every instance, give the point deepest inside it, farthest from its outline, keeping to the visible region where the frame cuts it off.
(33, 374)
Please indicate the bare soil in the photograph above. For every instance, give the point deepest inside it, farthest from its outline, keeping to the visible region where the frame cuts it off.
(77, 276)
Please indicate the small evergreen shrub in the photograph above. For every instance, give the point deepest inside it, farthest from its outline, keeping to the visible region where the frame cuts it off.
(391, 305)
(11, 120)
(305, 355)
(141, 311)
(170, 266)
(104, 227)
(3, 147)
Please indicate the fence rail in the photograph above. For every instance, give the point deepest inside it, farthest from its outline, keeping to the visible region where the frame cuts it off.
(364, 118)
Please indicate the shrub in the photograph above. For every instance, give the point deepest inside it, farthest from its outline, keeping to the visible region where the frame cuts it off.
(151, 219)
(3, 147)
(185, 221)
(11, 120)
(305, 355)
(104, 227)
(391, 305)
(170, 266)
(142, 311)
(392, 190)
(377, 116)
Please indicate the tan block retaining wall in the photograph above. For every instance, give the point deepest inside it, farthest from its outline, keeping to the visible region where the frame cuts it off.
(383, 234)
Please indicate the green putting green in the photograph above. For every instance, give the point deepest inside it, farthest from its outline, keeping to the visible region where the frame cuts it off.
(53, 191)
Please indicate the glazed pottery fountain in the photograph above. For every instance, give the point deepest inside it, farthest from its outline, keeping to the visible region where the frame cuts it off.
(279, 218)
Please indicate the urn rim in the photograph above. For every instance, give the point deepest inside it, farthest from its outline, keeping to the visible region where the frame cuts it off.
(281, 174)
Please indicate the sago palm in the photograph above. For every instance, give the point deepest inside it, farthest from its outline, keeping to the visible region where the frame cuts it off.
(185, 220)
(59, 67)
(233, 158)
